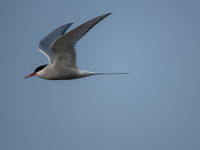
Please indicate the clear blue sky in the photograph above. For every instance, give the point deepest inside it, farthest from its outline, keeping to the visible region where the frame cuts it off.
(156, 107)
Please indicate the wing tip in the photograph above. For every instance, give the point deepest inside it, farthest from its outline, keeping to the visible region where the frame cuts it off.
(66, 25)
(105, 15)
(70, 24)
(109, 13)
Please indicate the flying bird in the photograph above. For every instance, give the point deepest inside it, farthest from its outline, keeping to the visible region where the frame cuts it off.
(59, 48)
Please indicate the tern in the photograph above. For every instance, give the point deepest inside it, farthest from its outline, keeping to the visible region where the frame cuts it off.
(59, 48)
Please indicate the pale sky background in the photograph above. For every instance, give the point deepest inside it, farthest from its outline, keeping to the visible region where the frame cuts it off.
(156, 107)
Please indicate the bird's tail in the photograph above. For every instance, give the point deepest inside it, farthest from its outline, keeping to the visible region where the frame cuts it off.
(112, 73)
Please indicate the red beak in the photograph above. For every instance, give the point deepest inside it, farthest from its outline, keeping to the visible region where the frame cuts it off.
(30, 75)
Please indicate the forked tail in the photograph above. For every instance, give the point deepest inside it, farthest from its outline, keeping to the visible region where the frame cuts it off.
(113, 73)
(83, 73)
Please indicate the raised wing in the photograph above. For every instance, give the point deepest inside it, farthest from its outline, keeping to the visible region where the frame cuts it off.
(44, 45)
(63, 47)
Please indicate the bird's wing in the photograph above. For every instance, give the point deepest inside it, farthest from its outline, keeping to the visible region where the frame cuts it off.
(44, 45)
(64, 46)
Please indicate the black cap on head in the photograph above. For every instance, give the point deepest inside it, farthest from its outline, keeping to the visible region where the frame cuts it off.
(39, 68)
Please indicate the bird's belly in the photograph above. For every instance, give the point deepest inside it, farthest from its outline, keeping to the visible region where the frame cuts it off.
(60, 74)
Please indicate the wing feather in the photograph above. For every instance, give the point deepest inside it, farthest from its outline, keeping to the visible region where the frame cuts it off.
(63, 47)
(44, 45)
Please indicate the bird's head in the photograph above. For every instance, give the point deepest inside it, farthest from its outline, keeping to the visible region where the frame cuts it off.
(36, 70)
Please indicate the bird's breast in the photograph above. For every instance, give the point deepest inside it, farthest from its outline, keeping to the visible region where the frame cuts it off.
(58, 73)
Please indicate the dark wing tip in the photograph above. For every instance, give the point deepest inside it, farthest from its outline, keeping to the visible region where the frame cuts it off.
(97, 21)
(109, 13)
(69, 24)
(64, 27)
(105, 15)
